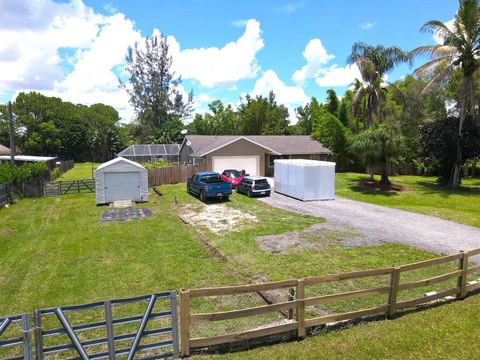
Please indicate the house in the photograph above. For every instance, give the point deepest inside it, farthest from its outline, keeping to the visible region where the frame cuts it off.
(151, 152)
(4, 150)
(23, 159)
(254, 154)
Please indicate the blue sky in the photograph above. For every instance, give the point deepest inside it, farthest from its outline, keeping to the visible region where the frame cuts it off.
(223, 49)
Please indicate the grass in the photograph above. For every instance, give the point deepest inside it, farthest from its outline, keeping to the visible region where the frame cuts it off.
(56, 252)
(445, 332)
(80, 171)
(425, 196)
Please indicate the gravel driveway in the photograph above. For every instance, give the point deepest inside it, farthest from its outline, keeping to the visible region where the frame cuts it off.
(377, 223)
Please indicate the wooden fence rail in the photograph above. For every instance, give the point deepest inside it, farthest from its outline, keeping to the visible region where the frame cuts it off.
(173, 174)
(297, 304)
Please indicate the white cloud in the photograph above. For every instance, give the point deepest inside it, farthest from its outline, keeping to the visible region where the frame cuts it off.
(241, 23)
(94, 78)
(68, 38)
(290, 96)
(338, 76)
(216, 66)
(70, 51)
(203, 97)
(289, 8)
(366, 25)
(449, 24)
(316, 67)
(316, 56)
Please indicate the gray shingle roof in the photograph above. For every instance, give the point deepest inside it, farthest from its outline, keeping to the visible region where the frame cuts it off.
(280, 144)
(4, 150)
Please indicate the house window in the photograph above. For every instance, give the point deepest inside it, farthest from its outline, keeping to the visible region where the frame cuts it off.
(272, 158)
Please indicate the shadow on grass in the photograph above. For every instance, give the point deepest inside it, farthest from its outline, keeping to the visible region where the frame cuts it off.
(356, 186)
(445, 192)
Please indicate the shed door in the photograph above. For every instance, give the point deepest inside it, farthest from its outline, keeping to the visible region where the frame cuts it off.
(251, 164)
(122, 186)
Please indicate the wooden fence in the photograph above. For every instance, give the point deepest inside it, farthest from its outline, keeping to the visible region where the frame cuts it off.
(3, 194)
(300, 323)
(173, 174)
(64, 166)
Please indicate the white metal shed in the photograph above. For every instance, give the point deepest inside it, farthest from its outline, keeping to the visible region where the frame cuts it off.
(305, 179)
(121, 179)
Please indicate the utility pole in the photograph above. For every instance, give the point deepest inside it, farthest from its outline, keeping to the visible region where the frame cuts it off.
(10, 130)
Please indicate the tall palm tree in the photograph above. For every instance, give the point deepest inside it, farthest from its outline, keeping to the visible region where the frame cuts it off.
(374, 62)
(460, 49)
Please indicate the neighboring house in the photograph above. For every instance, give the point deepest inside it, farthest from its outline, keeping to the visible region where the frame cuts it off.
(22, 159)
(4, 150)
(151, 152)
(254, 154)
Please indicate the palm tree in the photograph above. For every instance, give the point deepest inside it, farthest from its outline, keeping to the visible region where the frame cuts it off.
(379, 145)
(460, 49)
(374, 62)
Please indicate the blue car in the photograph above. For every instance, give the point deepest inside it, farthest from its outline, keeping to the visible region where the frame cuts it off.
(209, 185)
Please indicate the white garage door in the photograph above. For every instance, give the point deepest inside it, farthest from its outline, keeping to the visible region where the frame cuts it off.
(251, 164)
(122, 186)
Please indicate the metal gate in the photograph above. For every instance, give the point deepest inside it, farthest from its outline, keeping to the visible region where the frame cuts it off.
(143, 327)
(64, 187)
(15, 337)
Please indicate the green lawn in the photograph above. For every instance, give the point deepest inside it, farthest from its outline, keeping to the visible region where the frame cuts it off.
(424, 196)
(56, 252)
(80, 171)
(446, 332)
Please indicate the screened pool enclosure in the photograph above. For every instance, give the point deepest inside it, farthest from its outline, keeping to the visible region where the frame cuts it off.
(152, 152)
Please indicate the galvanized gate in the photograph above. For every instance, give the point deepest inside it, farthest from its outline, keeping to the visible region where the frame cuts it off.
(64, 187)
(15, 337)
(143, 327)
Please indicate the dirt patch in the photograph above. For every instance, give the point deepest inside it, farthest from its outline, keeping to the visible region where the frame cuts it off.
(381, 187)
(315, 237)
(218, 218)
(7, 232)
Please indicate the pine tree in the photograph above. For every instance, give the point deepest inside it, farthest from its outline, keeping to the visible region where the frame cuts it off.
(154, 90)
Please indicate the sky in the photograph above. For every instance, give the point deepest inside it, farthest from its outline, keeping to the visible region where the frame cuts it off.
(223, 49)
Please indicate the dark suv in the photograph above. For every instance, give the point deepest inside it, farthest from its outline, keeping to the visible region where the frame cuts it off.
(254, 186)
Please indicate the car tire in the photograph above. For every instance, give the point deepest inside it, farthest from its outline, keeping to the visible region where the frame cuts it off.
(249, 193)
(188, 189)
(203, 197)
(226, 198)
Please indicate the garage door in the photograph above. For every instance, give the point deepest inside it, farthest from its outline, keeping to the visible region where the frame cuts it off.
(251, 164)
(122, 186)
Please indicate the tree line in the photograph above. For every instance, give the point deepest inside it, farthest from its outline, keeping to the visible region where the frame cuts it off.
(428, 121)
(46, 125)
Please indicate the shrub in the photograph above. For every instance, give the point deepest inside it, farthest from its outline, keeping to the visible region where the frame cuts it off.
(157, 164)
(9, 173)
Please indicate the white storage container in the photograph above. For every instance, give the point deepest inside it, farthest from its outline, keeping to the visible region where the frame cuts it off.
(305, 179)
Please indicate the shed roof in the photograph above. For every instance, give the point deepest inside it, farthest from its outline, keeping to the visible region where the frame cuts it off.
(276, 144)
(117, 160)
(150, 150)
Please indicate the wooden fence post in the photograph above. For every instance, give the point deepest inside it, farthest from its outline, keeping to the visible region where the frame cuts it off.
(291, 297)
(185, 322)
(462, 279)
(392, 298)
(301, 308)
